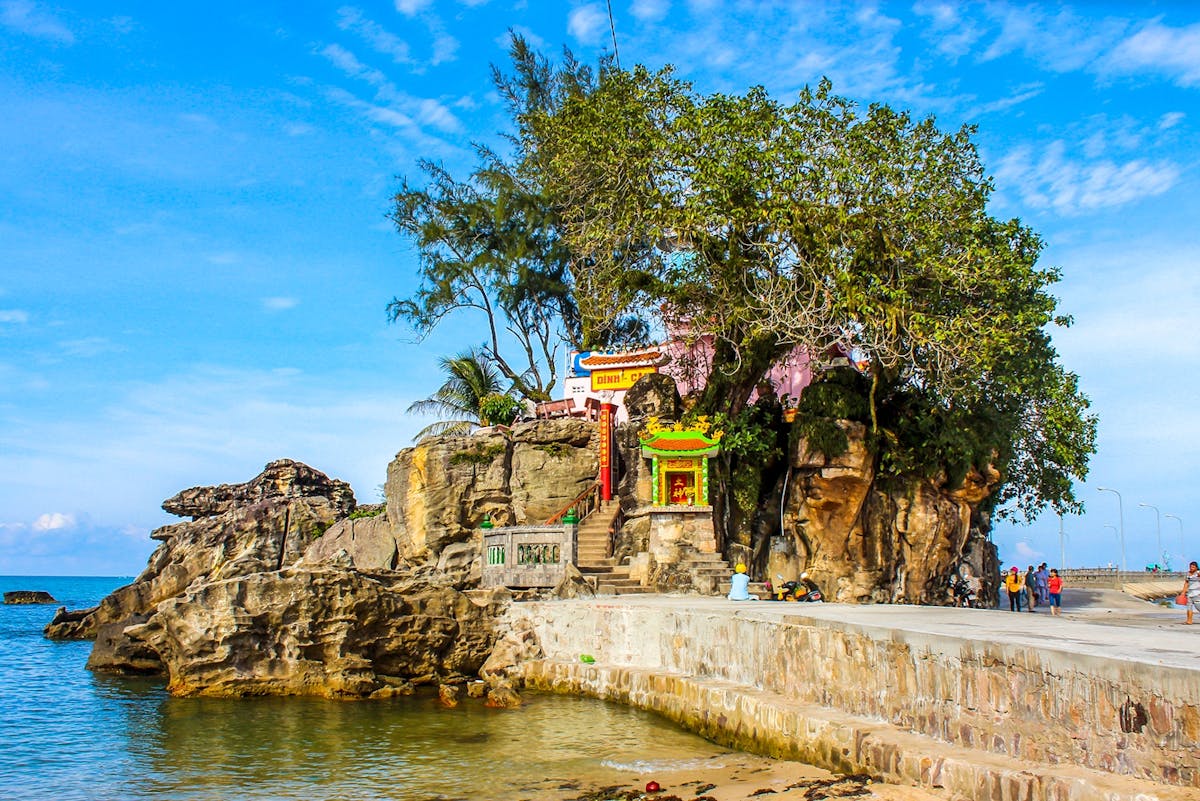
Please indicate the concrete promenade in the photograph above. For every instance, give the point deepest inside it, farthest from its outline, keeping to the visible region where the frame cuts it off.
(1099, 704)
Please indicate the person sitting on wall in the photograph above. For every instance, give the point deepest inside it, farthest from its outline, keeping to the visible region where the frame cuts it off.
(739, 589)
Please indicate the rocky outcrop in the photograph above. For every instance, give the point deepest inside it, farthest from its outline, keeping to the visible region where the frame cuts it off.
(279, 586)
(29, 597)
(863, 540)
(328, 632)
(440, 490)
(281, 479)
(276, 525)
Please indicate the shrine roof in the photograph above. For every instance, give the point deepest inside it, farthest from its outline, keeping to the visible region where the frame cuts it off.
(627, 359)
(680, 443)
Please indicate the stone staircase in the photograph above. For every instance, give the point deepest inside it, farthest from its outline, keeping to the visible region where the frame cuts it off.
(592, 557)
(710, 572)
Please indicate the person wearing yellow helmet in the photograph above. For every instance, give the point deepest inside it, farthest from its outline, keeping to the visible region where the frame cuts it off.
(739, 584)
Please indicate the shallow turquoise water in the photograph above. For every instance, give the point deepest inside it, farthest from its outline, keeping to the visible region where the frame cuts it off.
(66, 734)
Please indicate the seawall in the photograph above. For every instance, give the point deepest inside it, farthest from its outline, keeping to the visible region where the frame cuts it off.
(991, 706)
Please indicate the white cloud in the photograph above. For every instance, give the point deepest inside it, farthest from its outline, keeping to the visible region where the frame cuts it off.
(14, 316)
(1060, 42)
(1022, 94)
(434, 113)
(204, 426)
(374, 34)
(346, 61)
(89, 347)
(1174, 52)
(25, 17)
(410, 8)
(279, 303)
(53, 520)
(122, 24)
(1026, 552)
(587, 23)
(223, 258)
(1170, 120)
(1053, 179)
(650, 10)
(445, 48)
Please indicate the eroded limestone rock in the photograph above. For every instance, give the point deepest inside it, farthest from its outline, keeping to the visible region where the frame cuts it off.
(274, 527)
(283, 478)
(864, 542)
(440, 490)
(318, 631)
(29, 597)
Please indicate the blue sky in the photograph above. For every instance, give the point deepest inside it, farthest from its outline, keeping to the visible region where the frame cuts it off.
(195, 259)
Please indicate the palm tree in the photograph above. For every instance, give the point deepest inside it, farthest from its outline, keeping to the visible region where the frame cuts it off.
(471, 377)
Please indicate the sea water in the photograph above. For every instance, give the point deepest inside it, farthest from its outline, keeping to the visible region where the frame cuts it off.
(67, 733)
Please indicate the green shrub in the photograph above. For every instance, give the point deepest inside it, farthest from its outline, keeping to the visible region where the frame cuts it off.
(498, 409)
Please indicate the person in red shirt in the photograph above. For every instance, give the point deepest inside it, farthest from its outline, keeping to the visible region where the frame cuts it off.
(1054, 585)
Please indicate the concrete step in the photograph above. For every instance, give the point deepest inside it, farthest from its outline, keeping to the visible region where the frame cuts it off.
(602, 590)
(703, 556)
(597, 566)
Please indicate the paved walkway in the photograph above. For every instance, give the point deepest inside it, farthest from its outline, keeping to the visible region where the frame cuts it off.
(1103, 623)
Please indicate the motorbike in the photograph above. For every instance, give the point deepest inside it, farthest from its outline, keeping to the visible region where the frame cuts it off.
(803, 590)
(963, 592)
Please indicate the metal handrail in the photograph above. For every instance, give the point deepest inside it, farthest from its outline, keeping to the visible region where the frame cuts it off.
(591, 495)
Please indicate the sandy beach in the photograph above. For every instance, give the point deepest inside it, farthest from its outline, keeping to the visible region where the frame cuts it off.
(740, 777)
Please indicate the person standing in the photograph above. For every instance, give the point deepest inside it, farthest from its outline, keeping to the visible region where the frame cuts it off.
(1015, 585)
(1191, 587)
(1030, 584)
(1041, 585)
(1054, 591)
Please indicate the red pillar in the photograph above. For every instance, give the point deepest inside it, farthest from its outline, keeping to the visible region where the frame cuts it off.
(608, 413)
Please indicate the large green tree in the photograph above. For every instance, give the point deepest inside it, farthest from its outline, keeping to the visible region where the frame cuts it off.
(819, 224)
(631, 202)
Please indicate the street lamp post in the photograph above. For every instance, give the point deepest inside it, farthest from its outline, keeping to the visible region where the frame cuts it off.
(1062, 548)
(1116, 536)
(1121, 519)
(1157, 529)
(1182, 551)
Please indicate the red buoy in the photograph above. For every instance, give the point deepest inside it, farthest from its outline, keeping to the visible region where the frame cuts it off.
(652, 787)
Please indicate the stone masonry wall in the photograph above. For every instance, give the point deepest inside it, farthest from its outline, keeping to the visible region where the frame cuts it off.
(1122, 723)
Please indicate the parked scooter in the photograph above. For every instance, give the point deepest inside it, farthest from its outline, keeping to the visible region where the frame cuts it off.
(963, 592)
(803, 590)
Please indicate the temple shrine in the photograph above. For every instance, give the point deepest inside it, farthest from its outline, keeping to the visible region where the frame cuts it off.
(679, 464)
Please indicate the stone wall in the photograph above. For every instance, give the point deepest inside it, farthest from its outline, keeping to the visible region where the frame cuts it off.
(847, 695)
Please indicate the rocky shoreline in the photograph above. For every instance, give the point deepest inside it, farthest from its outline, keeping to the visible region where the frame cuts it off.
(276, 587)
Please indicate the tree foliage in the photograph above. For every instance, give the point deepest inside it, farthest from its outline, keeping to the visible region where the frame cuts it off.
(492, 244)
(631, 202)
(819, 224)
(471, 380)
